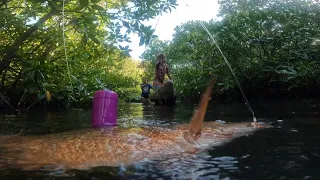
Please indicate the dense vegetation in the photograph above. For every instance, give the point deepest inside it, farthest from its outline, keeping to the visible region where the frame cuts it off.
(272, 45)
(33, 58)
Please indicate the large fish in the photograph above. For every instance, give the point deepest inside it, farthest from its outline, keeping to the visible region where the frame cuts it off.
(88, 148)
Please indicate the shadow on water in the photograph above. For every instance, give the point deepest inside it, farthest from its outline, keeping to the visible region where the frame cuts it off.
(289, 150)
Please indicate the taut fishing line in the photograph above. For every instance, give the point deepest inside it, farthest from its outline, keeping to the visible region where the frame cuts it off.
(228, 64)
(65, 52)
(225, 59)
(202, 25)
(64, 46)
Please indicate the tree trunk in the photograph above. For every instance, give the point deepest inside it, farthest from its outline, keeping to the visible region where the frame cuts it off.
(3, 80)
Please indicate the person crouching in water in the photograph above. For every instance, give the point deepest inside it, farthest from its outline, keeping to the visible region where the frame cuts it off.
(161, 70)
(145, 87)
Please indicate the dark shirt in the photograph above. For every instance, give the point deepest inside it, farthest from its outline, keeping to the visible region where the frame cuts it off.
(145, 89)
(161, 71)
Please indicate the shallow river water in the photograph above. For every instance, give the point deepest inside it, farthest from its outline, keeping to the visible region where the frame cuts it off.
(288, 150)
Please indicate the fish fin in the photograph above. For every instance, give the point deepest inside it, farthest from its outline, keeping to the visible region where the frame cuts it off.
(196, 122)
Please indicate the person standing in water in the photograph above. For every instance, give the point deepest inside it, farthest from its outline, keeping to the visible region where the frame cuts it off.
(161, 70)
(145, 87)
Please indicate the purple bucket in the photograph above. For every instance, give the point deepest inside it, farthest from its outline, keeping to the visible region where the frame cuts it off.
(104, 108)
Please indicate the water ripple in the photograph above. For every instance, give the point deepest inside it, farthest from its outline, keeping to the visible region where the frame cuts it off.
(201, 166)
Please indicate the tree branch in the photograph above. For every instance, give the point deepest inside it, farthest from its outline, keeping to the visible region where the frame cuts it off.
(11, 51)
(4, 3)
(4, 100)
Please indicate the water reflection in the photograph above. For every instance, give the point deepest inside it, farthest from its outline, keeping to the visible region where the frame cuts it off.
(44, 122)
(150, 115)
(159, 112)
(133, 110)
(41, 122)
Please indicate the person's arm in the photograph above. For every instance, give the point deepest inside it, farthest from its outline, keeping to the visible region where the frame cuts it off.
(168, 72)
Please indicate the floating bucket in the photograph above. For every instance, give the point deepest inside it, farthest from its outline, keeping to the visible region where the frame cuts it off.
(104, 108)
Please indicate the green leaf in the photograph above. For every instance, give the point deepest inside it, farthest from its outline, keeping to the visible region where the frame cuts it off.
(291, 77)
(94, 39)
(31, 75)
(128, 31)
(33, 89)
(90, 18)
(284, 71)
(136, 25)
(118, 30)
(41, 95)
(96, 7)
(142, 41)
(79, 7)
(95, 1)
(125, 24)
(84, 2)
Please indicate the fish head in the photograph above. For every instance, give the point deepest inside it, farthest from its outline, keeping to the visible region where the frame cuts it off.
(201, 131)
(213, 133)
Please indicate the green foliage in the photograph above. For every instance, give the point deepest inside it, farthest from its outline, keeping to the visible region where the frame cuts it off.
(270, 45)
(33, 58)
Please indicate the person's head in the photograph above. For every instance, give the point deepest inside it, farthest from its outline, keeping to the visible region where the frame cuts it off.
(161, 58)
(144, 80)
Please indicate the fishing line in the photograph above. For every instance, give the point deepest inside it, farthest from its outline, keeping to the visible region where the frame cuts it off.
(64, 46)
(228, 64)
(66, 55)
